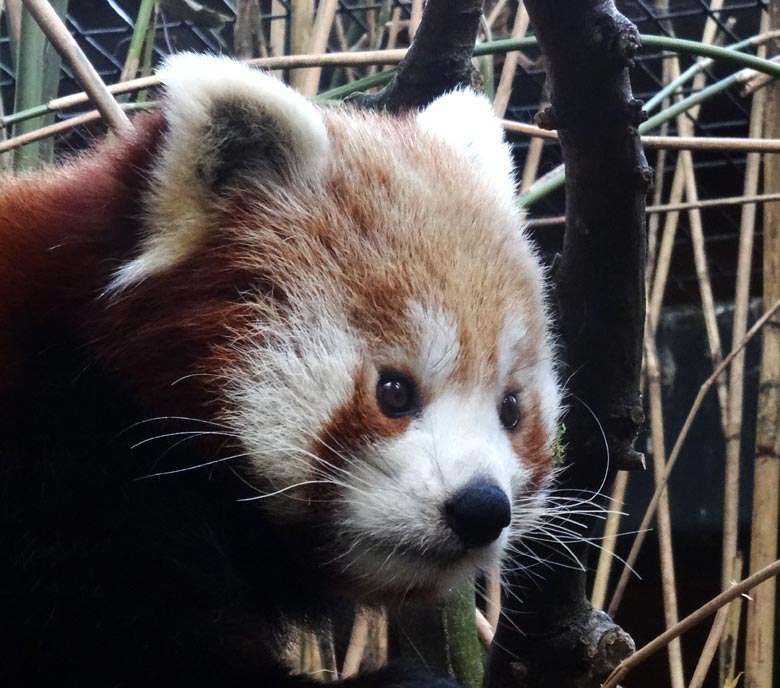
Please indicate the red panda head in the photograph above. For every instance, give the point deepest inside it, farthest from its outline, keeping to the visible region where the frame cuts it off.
(383, 361)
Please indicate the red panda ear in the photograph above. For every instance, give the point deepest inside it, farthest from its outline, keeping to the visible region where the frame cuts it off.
(229, 127)
(466, 121)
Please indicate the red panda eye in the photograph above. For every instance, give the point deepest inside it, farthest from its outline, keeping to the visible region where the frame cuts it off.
(396, 395)
(509, 412)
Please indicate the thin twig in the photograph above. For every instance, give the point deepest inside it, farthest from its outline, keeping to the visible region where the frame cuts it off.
(703, 143)
(90, 80)
(667, 207)
(61, 127)
(675, 453)
(719, 624)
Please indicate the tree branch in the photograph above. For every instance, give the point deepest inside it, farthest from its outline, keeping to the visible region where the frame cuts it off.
(599, 296)
(438, 60)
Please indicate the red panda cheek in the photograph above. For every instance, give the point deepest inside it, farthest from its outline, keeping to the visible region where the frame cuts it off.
(357, 423)
(532, 443)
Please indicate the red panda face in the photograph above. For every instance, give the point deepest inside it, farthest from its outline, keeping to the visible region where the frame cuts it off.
(390, 377)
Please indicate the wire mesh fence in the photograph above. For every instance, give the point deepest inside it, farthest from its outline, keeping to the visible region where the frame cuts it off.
(104, 29)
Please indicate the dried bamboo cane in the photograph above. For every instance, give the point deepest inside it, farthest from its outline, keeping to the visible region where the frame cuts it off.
(277, 38)
(301, 21)
(504, 89)
(667, 207)
(323, 24)
(764, 537)
(719, 626)
(416, 16)
(357, 644)
(663, 516)
(598, 596)
(760, 625)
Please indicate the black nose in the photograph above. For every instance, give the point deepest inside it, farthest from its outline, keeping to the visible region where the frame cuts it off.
(478, 513)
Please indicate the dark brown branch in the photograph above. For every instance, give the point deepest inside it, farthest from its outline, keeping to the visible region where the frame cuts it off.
(438, 60)
(599, 296)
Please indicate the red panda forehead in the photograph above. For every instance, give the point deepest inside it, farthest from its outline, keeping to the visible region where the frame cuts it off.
(392, 154)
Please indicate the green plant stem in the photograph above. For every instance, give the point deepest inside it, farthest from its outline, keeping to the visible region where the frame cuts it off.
(665, 115)
(686, 76)
(680, 45)
(465, 649)
(140, 30)
(37, 79)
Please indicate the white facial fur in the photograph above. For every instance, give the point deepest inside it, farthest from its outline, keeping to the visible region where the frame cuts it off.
(180, 209)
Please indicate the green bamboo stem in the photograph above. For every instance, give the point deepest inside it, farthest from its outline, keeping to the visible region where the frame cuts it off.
(687, 75)
(37, 79)
(465, 650)
(665, 115)
(680, 45)
(136, 48)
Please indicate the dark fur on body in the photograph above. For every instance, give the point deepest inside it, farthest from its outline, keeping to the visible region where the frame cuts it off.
(113, 579)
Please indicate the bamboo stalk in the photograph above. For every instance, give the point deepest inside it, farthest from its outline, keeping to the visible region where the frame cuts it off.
(308, 80)
(675, 453)
(415, 17)
(690, 621)
(754, 81)
(90, 80)
(357, 644)
(493, 15)
(61, 127)
(504, 89)
(133, 60)
(760, 625)
(730, 638)
(760, 645)
(14, 23)
(692, 143)
(663, 513)
(598, 595)
(277, 34)
(654, 221)
(341, 37)
(301, 24)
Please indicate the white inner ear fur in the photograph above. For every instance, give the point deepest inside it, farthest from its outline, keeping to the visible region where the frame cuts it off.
(467, 122)
(177, 212)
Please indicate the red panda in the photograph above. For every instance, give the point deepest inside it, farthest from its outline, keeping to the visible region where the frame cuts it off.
(257, 357)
